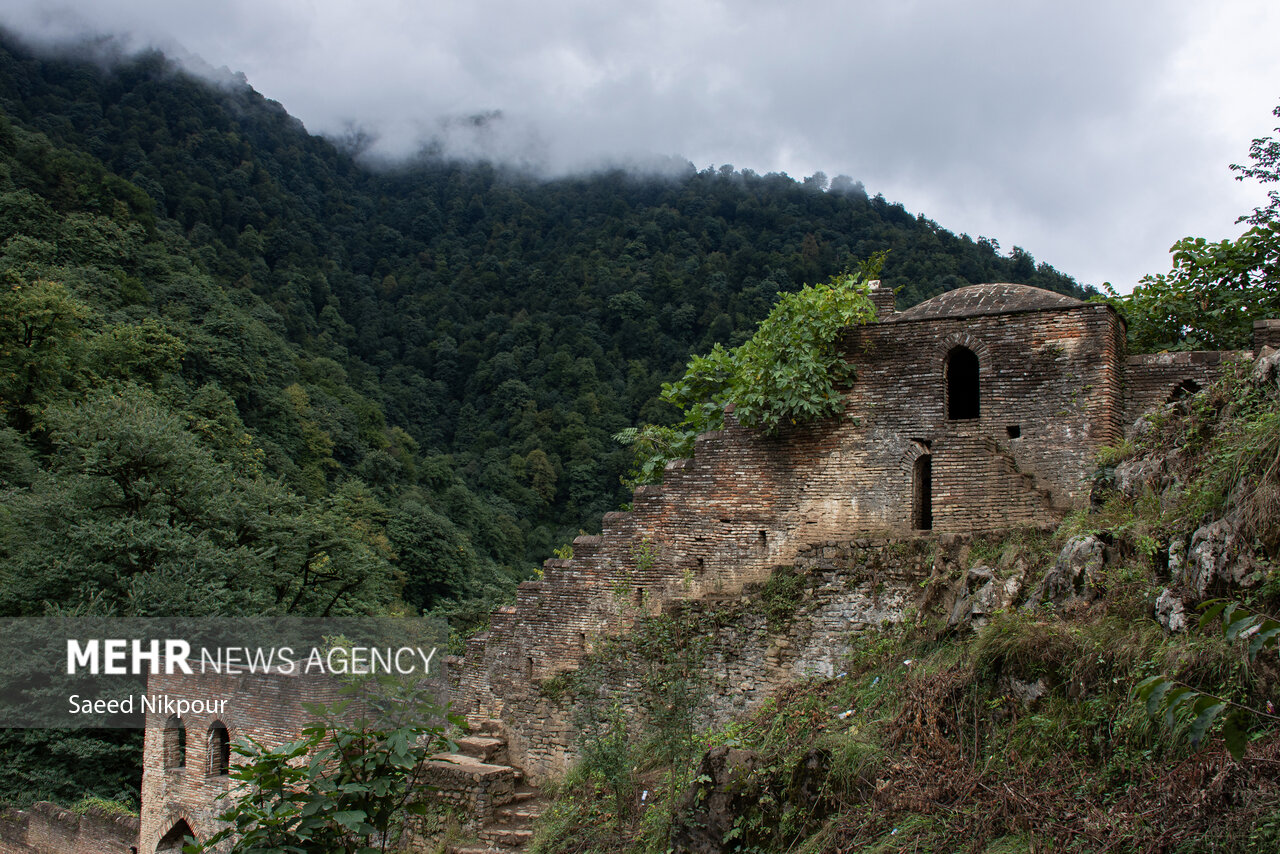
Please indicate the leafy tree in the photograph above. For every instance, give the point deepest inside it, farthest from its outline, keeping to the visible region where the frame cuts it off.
(1265, 154)
(351, 784)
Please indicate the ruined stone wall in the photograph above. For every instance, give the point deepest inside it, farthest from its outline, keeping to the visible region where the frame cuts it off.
(50, 829)
(1266, 333)
(265, 707)
(1152, 380)
(1051, 395)
(748, 646)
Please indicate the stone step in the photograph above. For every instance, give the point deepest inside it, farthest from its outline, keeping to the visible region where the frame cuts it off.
(523, 795)
(490, 750)
(513, 815)
(505, 836)
(485, 727)
(472, 849)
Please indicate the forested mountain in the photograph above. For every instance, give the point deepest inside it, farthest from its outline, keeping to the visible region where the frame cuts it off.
(452, 341)
(241, 371)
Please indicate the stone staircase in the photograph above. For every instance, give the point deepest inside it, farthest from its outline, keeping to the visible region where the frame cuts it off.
(493, 795)
(1030, 482)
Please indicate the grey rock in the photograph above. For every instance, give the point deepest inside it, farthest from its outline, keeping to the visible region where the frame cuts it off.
(1266, 370)
(1171, 612)
(1074, 575)
(1217, 554)
(1026, 693)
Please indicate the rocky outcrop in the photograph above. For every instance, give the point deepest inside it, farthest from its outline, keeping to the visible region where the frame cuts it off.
(1076, 574)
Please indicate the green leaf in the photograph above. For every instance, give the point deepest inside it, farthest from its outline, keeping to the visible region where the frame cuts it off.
(1214, 608)
(352, 820)
(1234, 735)
(1266, 636)
(1240, 624)
(1204, 719)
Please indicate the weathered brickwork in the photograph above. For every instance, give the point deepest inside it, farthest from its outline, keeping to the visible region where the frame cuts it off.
(1156, 379)
(1266, 333)
(750, 647)
(1050, 393)
(980, 410)
(265, 707)
(50, 829)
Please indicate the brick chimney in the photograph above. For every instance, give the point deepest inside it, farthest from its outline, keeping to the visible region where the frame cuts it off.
(882, 297)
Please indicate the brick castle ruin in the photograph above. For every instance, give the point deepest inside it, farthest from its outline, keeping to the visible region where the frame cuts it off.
(981, 409)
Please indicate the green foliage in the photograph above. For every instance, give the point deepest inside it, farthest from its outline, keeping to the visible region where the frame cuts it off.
(238, 371)
(1201, 712)
(789, 372)
(791, 369)
(780, 596)
(1211, 297)
(351, 784)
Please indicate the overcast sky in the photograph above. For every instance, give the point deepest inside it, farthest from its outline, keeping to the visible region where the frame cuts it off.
(1092, 134)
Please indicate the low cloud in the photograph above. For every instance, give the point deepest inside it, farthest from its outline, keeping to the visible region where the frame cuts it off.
(1092, 134)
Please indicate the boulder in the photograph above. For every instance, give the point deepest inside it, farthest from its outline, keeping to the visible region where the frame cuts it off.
(1217, 556)
(1074, 575)
(1266, 370)
(723, 791)
(1171, 612)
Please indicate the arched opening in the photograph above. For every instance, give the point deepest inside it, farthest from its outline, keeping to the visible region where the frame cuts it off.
(922, 493)
(173, 840)
(1184, 389)
(175, 743)
(962, 384)
(219, 749)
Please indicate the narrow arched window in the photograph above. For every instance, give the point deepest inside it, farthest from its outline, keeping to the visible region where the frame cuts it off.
(219, 749)
(173, 840)
(962, 384)
(175, 743)
(922, 493)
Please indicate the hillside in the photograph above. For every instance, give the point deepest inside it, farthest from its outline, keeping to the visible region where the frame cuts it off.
(239, 371)
(994, 708)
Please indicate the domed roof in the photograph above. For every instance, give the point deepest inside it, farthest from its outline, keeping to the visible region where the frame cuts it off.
(998, 298)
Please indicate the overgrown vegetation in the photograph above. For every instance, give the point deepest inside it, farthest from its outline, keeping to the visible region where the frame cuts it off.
(353, 783)
(1030, 732)
(927, 742)
(789, 371)
(239, 372)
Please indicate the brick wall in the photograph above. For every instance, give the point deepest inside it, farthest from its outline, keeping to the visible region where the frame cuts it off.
(1051, 394)
(1266, 333)
(266, 708)
(845, 588)
(50, 829)
(1153, 380)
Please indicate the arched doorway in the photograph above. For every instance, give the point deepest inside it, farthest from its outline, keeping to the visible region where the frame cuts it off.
(219, 749)
(173, 840)
(922, 493)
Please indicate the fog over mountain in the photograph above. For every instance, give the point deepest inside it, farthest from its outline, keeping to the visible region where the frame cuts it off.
(1093, 134)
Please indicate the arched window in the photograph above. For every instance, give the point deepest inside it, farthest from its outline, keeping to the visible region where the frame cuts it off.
(175, 743)
(922, 493)
(219, 749)
(962, 384)
(1184, 389)
(172, 841)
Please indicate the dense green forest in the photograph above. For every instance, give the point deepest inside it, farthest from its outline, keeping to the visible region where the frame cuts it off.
(241, 371)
